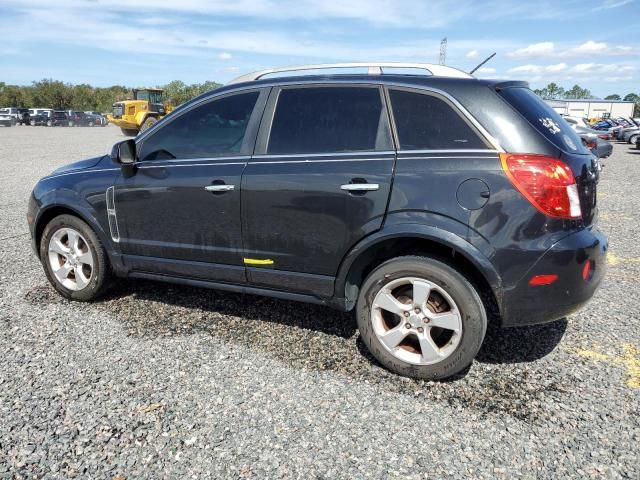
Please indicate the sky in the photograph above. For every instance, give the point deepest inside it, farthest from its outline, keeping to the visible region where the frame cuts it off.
(593, 43)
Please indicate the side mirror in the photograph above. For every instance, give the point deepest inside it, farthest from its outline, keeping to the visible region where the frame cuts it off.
(124, 152)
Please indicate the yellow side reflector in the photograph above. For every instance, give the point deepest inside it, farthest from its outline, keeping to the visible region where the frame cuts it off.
(257, 261)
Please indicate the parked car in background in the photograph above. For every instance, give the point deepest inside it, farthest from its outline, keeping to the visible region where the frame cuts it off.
(590, 138)
(98, 119)
(401, 198)
(23, 116)
(41, 118)
(59, 119)
(6, 119)
(13, 113)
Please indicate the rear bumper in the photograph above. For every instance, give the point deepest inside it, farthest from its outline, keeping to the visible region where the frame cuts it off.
(527, 305)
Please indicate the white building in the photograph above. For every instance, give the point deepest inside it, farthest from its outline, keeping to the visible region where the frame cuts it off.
(593, 108)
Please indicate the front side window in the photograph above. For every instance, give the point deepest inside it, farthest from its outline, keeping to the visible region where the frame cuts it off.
(213, 129)
(329, 120)
(426, 122)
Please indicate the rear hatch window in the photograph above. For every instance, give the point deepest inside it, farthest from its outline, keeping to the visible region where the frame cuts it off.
(544, 119)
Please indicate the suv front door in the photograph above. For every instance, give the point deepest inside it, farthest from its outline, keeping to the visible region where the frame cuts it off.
(319, 182)
(179, 213)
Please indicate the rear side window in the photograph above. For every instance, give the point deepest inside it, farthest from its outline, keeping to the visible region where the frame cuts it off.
(329, 120)
(426, 122)
(215, 128)
(544, 118)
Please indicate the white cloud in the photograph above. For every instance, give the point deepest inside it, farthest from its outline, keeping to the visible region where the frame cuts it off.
(609, 4)
(558, 67)
(589, 47)
(486, 70)
(472, 54)
(542, 49)
(225, 56)
(580, 72)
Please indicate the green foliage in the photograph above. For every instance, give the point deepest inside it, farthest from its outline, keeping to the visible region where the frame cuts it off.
(49, 93)
(615, 96)
(577, 92)
(632, 97)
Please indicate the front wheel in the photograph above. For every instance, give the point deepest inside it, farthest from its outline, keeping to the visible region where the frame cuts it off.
(420, 318)
(633, 139)
(73, 258)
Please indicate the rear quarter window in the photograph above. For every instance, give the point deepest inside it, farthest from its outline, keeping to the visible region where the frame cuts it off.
(543, 118)
(424, 121)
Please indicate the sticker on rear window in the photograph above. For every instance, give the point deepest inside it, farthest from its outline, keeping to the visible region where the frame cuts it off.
(550, 125)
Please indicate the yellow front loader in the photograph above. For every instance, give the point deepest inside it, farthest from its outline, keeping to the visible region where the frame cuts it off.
(139, 114)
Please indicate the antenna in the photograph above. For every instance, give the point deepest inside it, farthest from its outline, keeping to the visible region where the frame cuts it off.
(443, 51)
(483, 62)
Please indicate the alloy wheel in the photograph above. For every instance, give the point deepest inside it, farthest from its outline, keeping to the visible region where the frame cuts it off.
(70, 259)
(416, 321)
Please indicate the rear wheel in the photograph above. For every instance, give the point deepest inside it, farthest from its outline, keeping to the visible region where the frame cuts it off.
(129, 132)
(421, 318)
(32, 123)
(633, 139)
(49, 123)
(148, 123)
(74, 260)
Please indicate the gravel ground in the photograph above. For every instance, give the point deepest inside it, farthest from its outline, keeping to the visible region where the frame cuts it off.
(159, 381)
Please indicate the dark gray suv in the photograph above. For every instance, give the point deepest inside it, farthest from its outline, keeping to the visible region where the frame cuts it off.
(427, 204)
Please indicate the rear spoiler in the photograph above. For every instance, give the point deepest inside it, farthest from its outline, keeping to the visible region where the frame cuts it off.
(501, 84)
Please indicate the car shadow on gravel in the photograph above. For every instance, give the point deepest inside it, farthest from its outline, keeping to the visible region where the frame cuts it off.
(522, 344)
(312, 337)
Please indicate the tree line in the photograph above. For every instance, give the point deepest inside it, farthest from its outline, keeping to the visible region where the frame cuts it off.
(553, 91)
(49, 93)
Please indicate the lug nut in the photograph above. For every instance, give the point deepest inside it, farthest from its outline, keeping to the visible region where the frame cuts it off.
(426, 320)
(406, 314)
(420, 329)
(417, 310)
(408, 325)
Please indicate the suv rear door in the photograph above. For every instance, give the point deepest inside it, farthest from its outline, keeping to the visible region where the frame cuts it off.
(318, 183)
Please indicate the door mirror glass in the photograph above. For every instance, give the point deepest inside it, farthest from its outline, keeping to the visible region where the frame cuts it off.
(124, 152)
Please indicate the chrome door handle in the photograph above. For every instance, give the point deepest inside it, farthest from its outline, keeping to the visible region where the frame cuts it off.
(219, 188)
(360, 187)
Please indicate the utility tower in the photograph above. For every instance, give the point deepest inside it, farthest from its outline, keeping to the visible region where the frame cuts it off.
(443, 51)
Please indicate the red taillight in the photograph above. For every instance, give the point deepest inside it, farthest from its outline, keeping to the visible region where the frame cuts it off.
(604, 137)
(542, 280)
(591, 145)
(546, 182)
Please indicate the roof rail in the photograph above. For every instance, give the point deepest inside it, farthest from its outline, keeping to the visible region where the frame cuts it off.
(373, 69)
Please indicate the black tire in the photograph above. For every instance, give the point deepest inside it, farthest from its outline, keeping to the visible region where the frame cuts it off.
(633, 139)
(32, 123)
(100, 273)
(129, 132)
(463, 293)
(49, 123)
(148, 123)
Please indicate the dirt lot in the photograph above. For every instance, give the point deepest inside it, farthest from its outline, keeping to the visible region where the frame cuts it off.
(158, 381)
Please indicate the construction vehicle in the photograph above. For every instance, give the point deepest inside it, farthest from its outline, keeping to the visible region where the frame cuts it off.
(139, 114)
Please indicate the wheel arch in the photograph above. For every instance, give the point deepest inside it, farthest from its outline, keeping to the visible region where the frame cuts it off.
(49, 213)
(415, 239)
